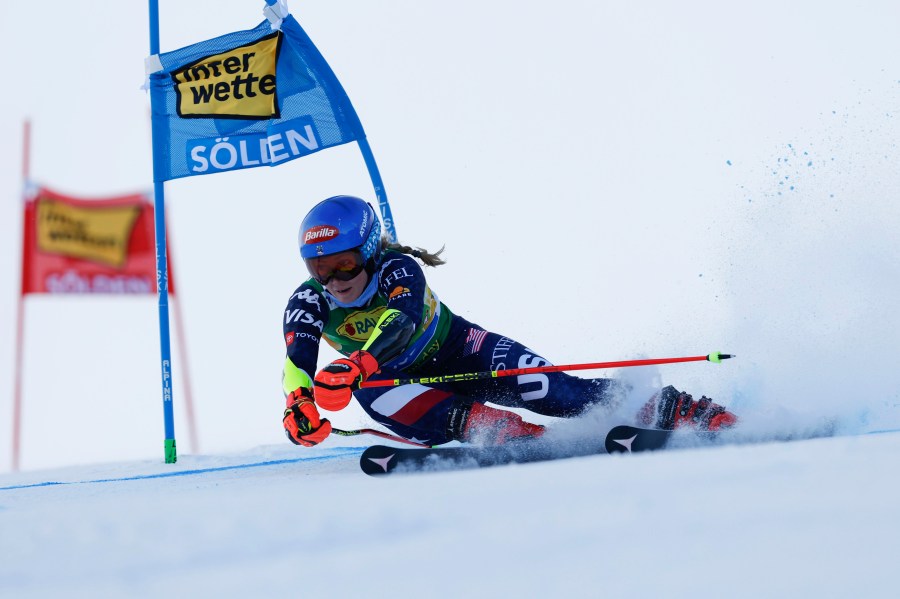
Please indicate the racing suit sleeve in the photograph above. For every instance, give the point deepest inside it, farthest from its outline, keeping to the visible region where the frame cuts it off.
(304, 320)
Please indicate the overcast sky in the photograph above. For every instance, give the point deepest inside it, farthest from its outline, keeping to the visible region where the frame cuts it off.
(611, 180)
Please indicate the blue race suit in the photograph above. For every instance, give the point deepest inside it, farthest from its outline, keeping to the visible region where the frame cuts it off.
(443, 343)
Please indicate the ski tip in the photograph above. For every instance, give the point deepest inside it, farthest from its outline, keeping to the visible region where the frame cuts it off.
(630, 439)
(378, 460)
(718, 357)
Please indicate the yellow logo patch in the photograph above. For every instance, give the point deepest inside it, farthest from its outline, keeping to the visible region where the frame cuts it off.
(431, 307)
(96, 234)
(359, 325)
(238, 84)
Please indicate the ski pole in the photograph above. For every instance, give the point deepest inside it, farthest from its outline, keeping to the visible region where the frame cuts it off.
(372, 431)
(471, 376)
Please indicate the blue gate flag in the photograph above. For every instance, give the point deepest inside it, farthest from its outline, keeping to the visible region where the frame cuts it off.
(250, 98)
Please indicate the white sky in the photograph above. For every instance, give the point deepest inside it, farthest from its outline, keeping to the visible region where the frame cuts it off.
(574, 160)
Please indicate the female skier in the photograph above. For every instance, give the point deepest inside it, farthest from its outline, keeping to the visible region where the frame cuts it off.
(369, 299)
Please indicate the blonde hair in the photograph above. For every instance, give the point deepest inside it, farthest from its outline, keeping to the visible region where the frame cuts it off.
(427, 258)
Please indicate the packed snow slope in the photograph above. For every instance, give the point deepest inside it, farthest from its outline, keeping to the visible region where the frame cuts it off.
(815, 518)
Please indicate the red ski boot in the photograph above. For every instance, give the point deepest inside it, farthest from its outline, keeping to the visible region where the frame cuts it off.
(490, 426)
(670, 409)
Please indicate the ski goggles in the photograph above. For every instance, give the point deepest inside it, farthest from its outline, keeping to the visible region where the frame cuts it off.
(342, 266)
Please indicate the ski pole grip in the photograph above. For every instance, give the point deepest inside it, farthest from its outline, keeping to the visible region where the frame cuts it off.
(718, 357)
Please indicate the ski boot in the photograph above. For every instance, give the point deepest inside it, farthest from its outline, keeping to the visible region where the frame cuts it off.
(671, 409)
(477, 423)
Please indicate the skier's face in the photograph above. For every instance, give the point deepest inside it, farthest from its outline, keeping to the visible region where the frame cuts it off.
(348, 291)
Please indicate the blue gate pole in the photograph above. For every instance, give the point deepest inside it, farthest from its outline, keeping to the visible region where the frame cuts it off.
(380, 194)
(162, 264)
(385, 208)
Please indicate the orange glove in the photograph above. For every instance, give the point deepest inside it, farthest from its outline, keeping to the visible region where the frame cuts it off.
(336, 382)
(302, 423)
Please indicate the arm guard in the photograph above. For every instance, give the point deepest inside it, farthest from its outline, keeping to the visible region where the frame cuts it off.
(292, 378)
(391, 335)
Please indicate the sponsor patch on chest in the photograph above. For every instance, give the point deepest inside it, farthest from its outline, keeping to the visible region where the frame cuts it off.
(359, 325)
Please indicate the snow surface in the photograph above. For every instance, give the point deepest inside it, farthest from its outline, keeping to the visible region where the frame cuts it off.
(815, 518)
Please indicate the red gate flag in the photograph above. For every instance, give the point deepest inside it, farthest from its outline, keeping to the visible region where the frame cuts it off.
(76, 245)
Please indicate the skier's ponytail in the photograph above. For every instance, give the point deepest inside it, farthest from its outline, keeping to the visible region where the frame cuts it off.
(426, 257)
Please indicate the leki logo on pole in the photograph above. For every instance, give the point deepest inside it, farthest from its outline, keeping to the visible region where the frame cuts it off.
(237, 84)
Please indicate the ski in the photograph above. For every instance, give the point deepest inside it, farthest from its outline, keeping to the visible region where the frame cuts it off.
(631, 439)
(379, 460)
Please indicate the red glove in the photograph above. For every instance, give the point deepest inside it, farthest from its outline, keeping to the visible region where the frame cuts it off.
(336, 382)
(302, 423)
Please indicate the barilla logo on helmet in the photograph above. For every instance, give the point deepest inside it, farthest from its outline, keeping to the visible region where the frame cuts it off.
(319, 233)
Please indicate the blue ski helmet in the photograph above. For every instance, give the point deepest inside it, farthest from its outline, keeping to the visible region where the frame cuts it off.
(337, 224)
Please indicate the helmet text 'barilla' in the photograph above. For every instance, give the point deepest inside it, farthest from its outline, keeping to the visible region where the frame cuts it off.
(320, 233)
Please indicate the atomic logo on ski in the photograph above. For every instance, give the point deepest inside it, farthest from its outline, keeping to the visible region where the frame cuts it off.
(383, 462)
(630, 439)
(626, 443)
